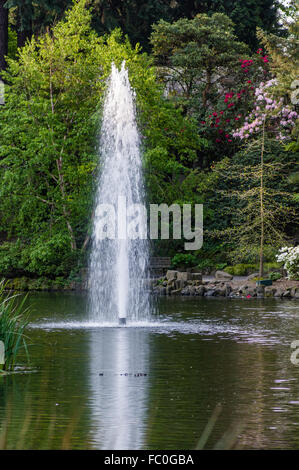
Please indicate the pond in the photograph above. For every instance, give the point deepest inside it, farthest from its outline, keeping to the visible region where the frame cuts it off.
(155, 386)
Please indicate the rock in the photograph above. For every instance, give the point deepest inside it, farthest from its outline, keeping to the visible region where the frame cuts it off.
(251, 292)
(210, 293)
(287, 293)
(185, 291)
(176, 292)
(294, 292)
(269, 291)
(180, 284)
(200, 290)
(196, 276)
(228, 290)
(221, 292)
(160, 290)
(192, 290)
(243, 289)
(171, 275)
(260, 292)
(252, 276)
(278, 293)
(184, 276)
(222, 275)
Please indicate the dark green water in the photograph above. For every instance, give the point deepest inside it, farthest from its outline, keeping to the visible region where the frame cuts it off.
(155, 386)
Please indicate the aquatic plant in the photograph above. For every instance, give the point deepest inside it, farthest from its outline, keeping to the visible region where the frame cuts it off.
(13, 321)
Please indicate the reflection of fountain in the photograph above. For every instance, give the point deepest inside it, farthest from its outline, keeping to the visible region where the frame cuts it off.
(119, 263)
(119, 394)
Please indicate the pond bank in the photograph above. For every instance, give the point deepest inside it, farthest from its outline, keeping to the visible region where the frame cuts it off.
(174, 283)
(222, 285)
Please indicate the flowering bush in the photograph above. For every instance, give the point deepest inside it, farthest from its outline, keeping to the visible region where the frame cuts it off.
(290, 257)
(280, 118)
(233, 105)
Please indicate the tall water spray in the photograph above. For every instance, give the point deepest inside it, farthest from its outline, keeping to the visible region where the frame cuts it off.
(119, 258)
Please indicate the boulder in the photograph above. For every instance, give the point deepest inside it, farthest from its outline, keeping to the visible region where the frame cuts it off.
(269, 291)
(243, 289)
(171, 275)
(184, 276)
(228, 290)
(185, 291)
(260, 292)
(222, 275)
(210, 293)
(176, 292)
(221, 291)
(196, 276)
(252, 276)
(278, 293)
(180, 284)
(200, 290)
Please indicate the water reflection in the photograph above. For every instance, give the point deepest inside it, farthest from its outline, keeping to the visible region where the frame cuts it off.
(198, 354)
(119, 359)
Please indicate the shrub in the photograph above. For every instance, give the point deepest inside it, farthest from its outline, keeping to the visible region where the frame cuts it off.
(240, 269)
(274, 276)
(185, 260)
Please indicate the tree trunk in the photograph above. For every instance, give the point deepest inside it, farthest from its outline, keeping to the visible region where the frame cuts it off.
(22, 33)
(3, 34)
(261, 270)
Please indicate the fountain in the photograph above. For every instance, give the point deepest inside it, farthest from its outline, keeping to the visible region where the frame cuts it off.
(118, 263)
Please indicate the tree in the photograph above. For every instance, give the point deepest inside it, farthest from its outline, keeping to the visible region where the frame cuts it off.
(257, 198)
(247, 15)
(48, 132)
(134, 17)
(266, 209)
(198, 53)
(33, 17)
(198, 61)
(3, 34)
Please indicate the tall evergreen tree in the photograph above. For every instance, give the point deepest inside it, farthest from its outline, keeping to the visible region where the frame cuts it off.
(246, 14)
(3, 34)
(34, 17)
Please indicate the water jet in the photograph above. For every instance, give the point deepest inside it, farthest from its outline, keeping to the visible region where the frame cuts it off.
(118, 264)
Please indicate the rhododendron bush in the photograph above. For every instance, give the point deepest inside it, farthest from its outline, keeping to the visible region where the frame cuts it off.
(278, 118)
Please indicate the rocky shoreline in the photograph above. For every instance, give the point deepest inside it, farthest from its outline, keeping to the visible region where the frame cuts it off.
(176, 283)
(223, 285)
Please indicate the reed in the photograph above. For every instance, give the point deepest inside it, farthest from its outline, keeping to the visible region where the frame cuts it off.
(13, 321)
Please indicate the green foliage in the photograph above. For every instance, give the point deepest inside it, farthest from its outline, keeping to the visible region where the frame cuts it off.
(275, 276)
(13, 322)
(48, 131)
(246, 14)
(192, 51)
(184, 260)
(199, 60)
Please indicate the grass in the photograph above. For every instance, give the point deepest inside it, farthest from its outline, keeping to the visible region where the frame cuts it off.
(13, 321)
